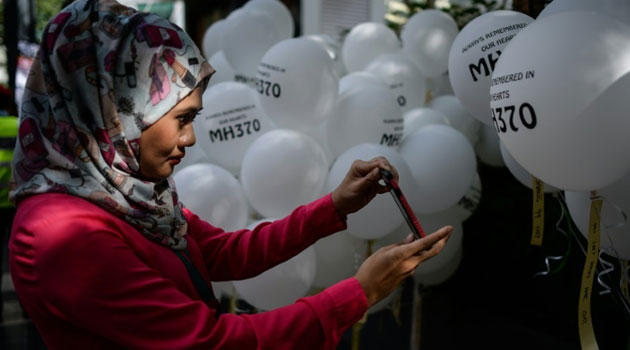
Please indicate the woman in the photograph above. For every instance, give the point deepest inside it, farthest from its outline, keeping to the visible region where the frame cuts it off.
(103, 255)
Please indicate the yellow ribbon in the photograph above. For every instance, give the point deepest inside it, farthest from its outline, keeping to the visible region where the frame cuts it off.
(233, 301)
(538, 223)
(585, 323)
(428, 97)
(356, 332)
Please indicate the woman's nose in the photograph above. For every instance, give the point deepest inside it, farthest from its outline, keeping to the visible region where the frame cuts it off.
(187, 138)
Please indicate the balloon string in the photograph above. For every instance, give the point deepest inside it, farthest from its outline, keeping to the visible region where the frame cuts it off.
(626, 304)
(613, 252)
(567, 218)
(621, 212)
(547, 265)
(563, 257)
(609, 268)
(564, 200)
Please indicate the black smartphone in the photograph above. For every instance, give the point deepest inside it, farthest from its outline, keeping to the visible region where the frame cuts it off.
(402, 203)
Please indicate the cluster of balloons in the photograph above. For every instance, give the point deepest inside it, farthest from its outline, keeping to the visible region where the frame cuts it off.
(284, 118)
(570, 138)
(246, 34)
(553, 92)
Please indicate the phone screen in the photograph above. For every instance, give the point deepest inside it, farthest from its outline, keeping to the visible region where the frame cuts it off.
(402, 203)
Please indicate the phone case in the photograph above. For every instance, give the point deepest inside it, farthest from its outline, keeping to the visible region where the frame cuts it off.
(402, 204)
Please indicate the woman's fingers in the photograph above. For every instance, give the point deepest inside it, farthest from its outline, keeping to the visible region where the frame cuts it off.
(417, 252)
(427, 242)
(428, 254)
(365, 167)
(384, 270)
(409, 265)
(410, 238)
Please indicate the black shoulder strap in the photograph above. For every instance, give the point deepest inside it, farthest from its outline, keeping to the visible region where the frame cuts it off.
(200, 284)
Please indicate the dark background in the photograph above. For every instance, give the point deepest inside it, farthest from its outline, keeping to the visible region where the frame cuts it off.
(494, 301)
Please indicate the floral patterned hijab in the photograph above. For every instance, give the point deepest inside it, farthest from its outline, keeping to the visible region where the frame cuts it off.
(104, 73)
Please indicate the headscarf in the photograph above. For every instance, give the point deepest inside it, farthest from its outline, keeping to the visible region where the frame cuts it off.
(103, 74)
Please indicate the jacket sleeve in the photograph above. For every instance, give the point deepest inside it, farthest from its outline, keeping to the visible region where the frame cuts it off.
(247, 253)
(95, 282)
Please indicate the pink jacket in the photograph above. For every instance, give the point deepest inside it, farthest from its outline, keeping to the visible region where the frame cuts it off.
(89, 280)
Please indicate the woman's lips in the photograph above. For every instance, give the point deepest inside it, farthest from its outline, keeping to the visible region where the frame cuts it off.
(175, 160)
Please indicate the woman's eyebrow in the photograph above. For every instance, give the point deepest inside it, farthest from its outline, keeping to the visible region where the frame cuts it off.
(190, 109)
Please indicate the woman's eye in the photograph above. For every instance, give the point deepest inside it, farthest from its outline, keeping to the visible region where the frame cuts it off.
(187, 118)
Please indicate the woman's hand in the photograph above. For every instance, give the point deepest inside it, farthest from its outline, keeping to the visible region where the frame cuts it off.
(360, 185)
(382, 272)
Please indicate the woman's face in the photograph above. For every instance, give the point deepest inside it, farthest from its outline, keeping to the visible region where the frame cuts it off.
(162, 145)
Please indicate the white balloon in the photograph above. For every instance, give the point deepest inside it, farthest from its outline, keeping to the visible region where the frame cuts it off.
(488, 147)
(225, 289)
(357, 80)
(223, 70)
(214, 194)
(213, 38)
(618, 9)
(438, 86)
(282, 170)
(418, 118)
(280, 14)
(365, 42)
(444, 273)
(443, 163)
(366, 114)
(297, 84)
(427, 37)
(467, 205)
(522, 175)
(559, 97)
(338, 257)
(394, 237)
(474, 53)
(231, 121)
(320, 135)
(403, 77)
(458, 115)
(247, 34)
(381, 216)
(463, 209)
(332, 47)
(615, 228)
(281, 285)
